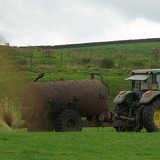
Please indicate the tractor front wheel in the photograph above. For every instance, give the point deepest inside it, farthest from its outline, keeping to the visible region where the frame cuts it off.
(68, 121)
(151, 116)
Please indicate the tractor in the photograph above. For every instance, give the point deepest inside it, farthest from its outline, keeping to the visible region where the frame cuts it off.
(140, 107)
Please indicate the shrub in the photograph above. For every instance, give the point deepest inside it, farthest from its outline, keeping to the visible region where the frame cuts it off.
(107, 63)
(7, 112)
(85, 60)
(138, 64)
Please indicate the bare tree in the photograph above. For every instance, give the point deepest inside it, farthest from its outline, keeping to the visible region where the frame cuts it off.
(155, 56)
(155, 53)
(121, 55)
(3, 40)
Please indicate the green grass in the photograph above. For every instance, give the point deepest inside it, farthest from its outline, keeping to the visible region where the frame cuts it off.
(134, 55)
(91, 143)
(19, 69)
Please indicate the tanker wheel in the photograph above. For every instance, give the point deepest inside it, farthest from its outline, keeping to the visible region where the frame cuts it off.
(68, 121)
(119, 110)
(151, 116)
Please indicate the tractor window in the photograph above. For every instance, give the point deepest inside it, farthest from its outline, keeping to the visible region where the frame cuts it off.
(158, 80)
(136, 85)
(146, 84)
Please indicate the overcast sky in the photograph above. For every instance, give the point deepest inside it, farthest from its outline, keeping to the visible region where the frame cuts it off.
(54, 22)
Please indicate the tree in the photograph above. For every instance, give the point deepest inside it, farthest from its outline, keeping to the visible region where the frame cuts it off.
(3, 40)
(155, 55)
(121, 55)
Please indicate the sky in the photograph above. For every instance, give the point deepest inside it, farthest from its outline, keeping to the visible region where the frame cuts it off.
(56, 22)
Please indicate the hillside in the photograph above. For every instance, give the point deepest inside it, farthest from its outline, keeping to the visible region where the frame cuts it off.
(114, 61)
(20, 66)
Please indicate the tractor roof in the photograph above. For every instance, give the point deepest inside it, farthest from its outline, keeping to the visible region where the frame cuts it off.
(146, 71)
(140, 77)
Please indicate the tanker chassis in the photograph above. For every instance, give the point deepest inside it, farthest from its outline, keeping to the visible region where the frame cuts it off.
(69, 105)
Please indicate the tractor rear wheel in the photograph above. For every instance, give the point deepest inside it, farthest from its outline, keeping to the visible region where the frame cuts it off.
(151, 116)
(68, 121)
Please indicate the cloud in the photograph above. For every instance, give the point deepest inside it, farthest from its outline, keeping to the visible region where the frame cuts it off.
(138, 28)
(132, 9)
(53, 22)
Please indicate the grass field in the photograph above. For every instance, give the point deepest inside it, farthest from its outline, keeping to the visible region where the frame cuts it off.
(20, 67)
(91, 143)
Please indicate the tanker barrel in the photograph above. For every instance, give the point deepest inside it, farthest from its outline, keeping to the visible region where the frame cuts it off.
(43, 101)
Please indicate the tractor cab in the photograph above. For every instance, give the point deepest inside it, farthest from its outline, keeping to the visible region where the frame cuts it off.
(140, 82)
(144, 80)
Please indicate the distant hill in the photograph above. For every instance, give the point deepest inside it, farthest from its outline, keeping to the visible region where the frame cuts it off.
(90, 44)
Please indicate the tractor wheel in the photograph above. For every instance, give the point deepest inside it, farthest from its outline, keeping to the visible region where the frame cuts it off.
(119, 109)
(151, 116)
(68, 121)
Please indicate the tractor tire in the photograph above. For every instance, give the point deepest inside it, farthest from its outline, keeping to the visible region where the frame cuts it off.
(119, 110)
(151, 116)
(68, 121)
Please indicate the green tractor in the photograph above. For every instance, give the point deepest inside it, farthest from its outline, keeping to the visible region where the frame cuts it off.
(140, 107)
